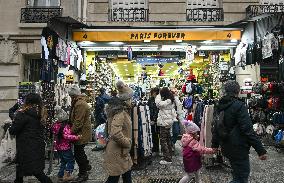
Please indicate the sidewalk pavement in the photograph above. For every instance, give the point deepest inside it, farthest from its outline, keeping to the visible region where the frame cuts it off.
(270, 171)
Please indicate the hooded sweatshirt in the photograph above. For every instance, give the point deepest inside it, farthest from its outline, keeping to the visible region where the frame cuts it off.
(65, 142)
(192, 152)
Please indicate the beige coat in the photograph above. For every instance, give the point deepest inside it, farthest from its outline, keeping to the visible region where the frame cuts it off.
(117, 159)
(80, 116)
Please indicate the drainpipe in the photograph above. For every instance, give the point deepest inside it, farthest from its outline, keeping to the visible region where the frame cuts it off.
(85, 11)
(79, 10)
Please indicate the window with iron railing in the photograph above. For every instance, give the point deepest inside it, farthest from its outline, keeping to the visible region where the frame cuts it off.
(40, 11)
(128, 11)
(43, 3)
(204, 10)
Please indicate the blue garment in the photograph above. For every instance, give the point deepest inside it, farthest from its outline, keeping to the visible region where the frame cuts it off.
(67, 162)
(176, 131)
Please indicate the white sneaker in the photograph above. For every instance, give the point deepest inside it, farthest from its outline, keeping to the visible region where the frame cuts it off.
(163, 162)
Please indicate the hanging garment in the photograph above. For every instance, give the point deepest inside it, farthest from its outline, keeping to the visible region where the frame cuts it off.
(266, 46)
(135, 134)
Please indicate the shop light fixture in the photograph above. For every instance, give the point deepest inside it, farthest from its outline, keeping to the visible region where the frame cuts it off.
(147, 41)
(215, 47)
(234, 41)
(207, 42)
(86, 43)
(116, 43)
(179, 41)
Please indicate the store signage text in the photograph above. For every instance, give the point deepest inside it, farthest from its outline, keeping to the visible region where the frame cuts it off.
(157, 35)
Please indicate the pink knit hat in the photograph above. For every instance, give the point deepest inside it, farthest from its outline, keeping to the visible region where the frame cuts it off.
(190, 127)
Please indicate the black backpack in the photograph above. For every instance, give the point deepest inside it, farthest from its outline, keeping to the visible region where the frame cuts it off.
(219, 126)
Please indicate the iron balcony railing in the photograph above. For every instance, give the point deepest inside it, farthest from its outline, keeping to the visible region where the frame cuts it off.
(205, 14)
(39, 14)
(256, 10)
(128, 15)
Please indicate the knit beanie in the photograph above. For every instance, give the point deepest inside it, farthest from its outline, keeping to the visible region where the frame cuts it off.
(74, 90)
(232, 88)
(190, 127)
(60, 114)
(124, 92)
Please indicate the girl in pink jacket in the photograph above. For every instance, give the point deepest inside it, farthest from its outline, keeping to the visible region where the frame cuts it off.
(192, 152)
(63, 145)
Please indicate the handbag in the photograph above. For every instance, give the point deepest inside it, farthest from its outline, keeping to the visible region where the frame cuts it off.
(7, 148)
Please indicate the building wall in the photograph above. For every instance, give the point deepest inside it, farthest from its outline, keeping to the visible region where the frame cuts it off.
(20, 42)
(167, 12)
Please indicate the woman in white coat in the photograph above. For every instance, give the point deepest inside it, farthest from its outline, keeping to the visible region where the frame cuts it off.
(165, 101)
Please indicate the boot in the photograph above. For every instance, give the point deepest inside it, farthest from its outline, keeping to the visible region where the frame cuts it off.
(67, 177)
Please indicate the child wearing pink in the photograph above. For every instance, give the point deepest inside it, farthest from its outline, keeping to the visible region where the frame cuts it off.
(63, 145)
(192, 152)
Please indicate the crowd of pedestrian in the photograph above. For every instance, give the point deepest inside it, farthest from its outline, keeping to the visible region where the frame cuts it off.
(232, 133)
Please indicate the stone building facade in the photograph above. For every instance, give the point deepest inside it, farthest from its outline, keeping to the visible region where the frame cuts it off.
(22, 22)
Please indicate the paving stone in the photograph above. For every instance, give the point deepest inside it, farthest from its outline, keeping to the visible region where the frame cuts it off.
(270, 171)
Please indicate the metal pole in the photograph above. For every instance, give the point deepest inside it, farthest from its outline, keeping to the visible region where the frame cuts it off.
(51, 156)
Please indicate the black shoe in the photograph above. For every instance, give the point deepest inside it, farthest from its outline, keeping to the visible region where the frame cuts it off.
(81, 178)
(89, 168)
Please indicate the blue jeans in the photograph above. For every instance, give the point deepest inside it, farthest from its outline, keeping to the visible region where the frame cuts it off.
(176, 131)
(241, 170)
(67, 162)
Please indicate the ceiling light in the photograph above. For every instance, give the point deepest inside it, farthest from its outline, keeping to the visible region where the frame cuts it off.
(207, 42)
(116, 43)
(234, 41)
(147, 41)
(179, 41)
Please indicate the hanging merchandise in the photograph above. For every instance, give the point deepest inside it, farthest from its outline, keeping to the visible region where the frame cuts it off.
(190, 51)
(267, 45)
(240, 55)
(129, 53)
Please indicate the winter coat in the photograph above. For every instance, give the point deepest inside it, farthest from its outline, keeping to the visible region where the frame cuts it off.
(167, 113)
(117, 159)
(13, 110)
(80, 117)
(30, 144)
(65, 142)
(154, 111)
(192, 152)
(100, 115)
(239, 126)
(179, 109)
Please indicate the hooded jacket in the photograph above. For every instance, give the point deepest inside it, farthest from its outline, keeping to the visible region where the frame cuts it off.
(65, 142)
(192, 152)
(167, 113)
(30, 146)
(117, 159)
(239, 126)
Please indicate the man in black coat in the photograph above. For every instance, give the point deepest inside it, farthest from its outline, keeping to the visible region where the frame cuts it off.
(240, 134)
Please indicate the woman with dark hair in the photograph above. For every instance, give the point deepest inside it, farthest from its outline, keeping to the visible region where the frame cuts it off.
(165, 101)
(28, 127)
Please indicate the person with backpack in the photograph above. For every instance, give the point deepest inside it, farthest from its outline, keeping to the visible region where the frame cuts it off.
(165, 101)
(63, 144)
(233, 131)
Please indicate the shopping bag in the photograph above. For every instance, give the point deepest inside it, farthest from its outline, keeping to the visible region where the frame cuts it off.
(101, 136)
(7, 148)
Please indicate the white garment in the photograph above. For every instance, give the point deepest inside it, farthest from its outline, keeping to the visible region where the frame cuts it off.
(241, 54)
(167, 113)
(266, 46)
(188, 176)
(43, 43)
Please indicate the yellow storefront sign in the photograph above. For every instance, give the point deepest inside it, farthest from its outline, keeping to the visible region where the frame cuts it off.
(156, 36)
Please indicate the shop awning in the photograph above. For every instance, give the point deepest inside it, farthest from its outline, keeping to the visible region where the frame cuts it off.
(70, 22)
(156, 35)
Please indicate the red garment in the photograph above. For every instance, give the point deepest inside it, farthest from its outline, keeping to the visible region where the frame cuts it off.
(68, 137)
(189, 117)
